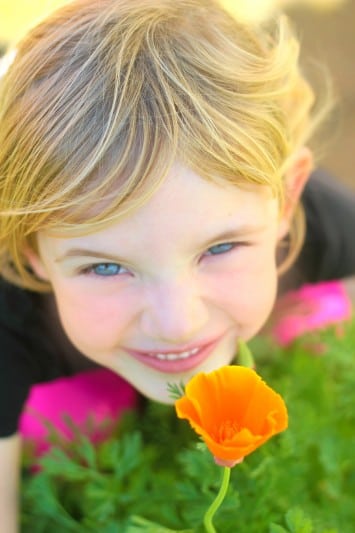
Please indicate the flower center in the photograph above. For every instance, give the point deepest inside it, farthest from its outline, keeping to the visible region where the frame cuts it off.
(227, 430)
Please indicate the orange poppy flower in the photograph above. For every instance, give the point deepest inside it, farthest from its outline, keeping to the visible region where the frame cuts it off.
(233, 410)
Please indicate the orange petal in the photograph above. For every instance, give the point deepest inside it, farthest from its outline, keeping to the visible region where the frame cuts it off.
(223, 394)
(233, 410)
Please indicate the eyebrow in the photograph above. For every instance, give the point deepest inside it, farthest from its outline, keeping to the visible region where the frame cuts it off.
(232, 234)
(83, 252)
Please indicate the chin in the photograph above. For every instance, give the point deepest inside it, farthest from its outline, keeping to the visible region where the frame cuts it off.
(154, 384)
(159, 396)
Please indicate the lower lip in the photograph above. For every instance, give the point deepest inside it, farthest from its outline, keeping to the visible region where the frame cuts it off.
(178, 365)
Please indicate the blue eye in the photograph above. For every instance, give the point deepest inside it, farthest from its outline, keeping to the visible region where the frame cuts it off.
(221, 248)
(106, 269)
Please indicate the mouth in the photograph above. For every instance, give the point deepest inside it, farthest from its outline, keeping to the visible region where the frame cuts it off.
(178, 361)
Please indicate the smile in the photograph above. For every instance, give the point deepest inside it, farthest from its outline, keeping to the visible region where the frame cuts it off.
(173, 356)
(176, 362)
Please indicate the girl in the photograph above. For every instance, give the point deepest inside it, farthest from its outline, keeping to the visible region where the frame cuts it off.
(152, 158)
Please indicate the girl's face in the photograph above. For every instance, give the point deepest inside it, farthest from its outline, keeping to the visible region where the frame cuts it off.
(167, 291)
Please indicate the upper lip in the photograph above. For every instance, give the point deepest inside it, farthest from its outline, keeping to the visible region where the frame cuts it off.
(186, 348)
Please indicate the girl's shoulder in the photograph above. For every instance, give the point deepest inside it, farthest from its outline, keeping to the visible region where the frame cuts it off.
(17, 306)
(17, 372)
(328, 251)
(25, 356)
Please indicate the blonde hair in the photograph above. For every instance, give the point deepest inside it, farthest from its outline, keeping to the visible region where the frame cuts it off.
(103, 97)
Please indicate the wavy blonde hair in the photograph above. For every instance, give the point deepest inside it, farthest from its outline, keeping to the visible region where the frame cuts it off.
(103, 97)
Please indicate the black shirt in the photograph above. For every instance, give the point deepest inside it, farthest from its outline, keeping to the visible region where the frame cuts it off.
(329, 249)
(32, 351)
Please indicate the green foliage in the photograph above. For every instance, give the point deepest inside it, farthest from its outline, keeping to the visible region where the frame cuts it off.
(154, 476)
(245, 356)
(175, 390)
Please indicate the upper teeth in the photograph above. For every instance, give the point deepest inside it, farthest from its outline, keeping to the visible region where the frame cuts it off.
(172, 356)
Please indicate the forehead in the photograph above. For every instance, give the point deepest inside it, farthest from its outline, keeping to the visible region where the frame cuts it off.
(185, 196)
(187, 207)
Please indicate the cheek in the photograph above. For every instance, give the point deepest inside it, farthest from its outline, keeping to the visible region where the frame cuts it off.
(248, 293)
(92, 321)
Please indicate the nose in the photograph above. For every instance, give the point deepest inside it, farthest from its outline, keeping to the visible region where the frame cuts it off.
(175, 312)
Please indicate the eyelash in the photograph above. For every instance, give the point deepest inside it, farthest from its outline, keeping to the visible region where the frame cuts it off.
(90, 270)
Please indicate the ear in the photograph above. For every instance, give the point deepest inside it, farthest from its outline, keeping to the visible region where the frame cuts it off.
(296, 178)
(36, 263)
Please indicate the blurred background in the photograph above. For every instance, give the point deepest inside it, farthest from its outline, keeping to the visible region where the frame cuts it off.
(328, 36)
(326, 29)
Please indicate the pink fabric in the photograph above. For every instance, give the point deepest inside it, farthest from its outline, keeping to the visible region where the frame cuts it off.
(93, 400)
(310, 308)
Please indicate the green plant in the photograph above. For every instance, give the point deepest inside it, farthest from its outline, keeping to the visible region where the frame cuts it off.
(152, 476)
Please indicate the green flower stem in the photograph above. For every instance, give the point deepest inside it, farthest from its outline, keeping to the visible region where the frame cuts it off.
(207, 520)
(244, 355)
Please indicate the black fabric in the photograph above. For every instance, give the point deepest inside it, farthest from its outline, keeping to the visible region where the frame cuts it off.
(328, 252)
(29, 350)
(25, 357)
